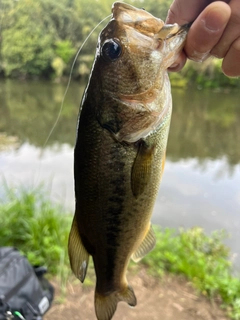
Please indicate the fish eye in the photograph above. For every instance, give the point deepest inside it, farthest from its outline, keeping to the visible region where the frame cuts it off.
(111, 50)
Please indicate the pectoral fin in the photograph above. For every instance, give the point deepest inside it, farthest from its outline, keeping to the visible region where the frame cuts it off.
(78, 255)
(146, 246)
(142, 169)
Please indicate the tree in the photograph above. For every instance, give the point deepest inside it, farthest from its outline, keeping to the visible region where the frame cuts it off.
(26, 42)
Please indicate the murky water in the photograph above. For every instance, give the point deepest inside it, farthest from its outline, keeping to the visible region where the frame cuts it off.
(201, 183)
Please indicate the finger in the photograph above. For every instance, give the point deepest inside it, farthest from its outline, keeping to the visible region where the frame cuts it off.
(231, 33)
(179, 63)
(206, 30)
(183, 12)
(186, 11)
(231, 64)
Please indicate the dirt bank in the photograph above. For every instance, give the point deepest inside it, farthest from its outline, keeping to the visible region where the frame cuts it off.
(171, 298)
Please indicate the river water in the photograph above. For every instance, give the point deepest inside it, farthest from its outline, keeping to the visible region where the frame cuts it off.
(201, 182)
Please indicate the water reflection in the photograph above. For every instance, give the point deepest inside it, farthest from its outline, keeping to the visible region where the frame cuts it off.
(205, 125)
(206, 196)
(29, 110)
(28, 166)
(202, 175)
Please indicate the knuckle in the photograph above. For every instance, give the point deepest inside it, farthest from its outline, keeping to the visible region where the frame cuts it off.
(236, 45)
(176, 11)
(172, 14)
(235, 18)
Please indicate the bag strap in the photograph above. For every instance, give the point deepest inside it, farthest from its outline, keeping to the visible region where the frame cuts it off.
(16, 288)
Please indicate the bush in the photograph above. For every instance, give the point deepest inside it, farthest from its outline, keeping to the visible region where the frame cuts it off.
(31, 223)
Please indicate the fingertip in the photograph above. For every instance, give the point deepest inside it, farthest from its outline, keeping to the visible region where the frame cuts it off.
(216, 16)
(186, 11)
(230, 65)
(179, 63)
(206, 30)
(231, 31)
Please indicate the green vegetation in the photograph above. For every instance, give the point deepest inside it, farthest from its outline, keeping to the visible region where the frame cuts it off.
(206, 75)
(40, 230)
(202, 259)
(40, 39)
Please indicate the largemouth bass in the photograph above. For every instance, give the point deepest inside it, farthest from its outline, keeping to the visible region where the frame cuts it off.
(120, 150)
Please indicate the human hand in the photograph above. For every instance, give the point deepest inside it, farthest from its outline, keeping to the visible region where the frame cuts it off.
(215, 31)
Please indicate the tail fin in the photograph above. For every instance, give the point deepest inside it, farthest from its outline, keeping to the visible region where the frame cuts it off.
(105, 306)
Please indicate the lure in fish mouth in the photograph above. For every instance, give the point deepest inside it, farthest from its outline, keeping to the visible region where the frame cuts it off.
(120, 150)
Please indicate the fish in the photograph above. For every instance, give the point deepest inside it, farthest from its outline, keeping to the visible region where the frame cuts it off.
(120, 150)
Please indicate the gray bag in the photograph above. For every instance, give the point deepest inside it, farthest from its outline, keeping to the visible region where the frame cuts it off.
(24, 292)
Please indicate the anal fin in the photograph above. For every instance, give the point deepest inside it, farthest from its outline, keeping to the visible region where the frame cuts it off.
(146, 245)
(78, 255)
(105, 306)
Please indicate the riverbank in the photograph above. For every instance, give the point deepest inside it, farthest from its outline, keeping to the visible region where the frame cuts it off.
(169, 298)
(33, 224)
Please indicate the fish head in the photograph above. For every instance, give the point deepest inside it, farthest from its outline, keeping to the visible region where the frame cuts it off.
(133, 95)
(136, 48)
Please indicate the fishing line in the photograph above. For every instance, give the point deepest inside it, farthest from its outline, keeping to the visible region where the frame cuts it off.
(63, 99)
(69, 81)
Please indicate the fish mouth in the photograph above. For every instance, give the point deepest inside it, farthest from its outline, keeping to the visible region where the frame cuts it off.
(180, 29)
(146, 23)
(146, 26)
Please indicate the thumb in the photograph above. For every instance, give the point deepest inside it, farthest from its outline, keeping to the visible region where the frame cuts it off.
(206, 30)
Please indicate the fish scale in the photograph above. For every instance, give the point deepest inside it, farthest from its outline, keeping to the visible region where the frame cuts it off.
(120, 150)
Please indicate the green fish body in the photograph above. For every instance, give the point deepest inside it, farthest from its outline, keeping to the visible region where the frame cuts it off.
(120, 150)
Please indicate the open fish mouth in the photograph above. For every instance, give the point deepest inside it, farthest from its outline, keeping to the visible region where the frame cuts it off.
(144, 23)
(170, 31)
(176, 29)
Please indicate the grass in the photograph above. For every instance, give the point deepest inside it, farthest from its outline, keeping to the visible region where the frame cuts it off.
(201, 259)
(37, 227)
